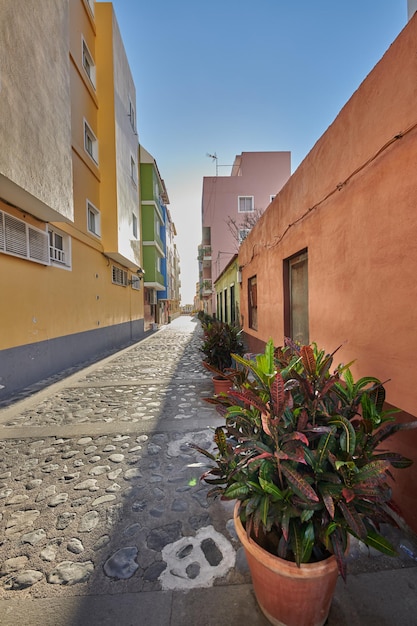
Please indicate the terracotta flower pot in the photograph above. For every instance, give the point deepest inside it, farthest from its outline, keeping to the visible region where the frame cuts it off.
(221, 385)
(289, 595)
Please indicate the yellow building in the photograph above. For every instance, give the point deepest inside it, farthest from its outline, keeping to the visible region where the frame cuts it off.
(227, 290)
(70, 243)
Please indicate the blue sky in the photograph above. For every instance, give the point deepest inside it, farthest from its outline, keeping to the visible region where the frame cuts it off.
(232, 76)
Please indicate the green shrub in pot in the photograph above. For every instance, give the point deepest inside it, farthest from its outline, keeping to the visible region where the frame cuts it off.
(301, 451)
(220, 341)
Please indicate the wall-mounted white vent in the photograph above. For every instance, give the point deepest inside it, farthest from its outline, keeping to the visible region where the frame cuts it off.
(20, 239)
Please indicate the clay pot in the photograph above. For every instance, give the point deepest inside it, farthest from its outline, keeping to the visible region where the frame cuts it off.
(221, 385)
(289, 595)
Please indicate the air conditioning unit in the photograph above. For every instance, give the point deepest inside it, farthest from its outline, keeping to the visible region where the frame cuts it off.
(153, 297)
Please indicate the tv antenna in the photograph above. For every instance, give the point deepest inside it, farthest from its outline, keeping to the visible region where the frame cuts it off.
(214, 157)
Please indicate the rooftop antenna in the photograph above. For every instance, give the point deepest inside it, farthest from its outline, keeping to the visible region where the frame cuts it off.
(214, 157)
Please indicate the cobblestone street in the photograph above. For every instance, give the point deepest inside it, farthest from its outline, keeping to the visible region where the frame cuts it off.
(103, 519)
(99, 489)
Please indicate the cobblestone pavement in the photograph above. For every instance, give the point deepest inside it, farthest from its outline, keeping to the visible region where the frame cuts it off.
(100, 498)
(118, 505)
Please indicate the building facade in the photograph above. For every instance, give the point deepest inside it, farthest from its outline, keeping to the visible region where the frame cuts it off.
(227, 289)
(154, 201)
(70, 241)
(333, 258)
(231, 206)
(169, 298)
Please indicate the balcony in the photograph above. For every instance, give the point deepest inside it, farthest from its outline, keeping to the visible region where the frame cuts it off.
(204, 253)
(207, 287)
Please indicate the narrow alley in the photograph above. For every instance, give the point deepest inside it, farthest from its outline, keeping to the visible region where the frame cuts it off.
(103, 519)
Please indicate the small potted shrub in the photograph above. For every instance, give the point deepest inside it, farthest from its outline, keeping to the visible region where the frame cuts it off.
(300, 452)
(220, 342)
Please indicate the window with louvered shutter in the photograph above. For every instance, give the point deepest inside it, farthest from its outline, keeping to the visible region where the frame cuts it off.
(20, 239)
(38, 245)
(119, 276)
(1, 230)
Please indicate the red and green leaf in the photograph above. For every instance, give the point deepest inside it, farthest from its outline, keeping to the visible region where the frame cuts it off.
(278, 396)
(299, 484)
(353, 519)
(309, 360)
(220, 440)
(328, 501)
(350, 435)
(373, 472)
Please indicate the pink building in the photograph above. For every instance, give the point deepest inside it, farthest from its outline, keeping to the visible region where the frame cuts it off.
(230, 206)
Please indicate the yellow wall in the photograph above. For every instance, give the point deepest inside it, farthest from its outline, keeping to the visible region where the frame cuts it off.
(47, 302)
(42, 302)
(229, 277)
(105, 87)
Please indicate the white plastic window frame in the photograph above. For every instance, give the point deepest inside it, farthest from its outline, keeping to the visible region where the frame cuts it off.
(93, 210)
(87, 56)
(89, 136)
(245, 198)
(66, 263)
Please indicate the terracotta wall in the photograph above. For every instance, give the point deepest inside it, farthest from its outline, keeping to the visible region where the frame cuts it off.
(352, 204)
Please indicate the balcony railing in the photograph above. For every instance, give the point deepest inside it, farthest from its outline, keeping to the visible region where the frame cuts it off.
(204, 253)
(207, 287)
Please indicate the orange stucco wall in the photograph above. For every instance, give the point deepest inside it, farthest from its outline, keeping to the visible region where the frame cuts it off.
(352, 204)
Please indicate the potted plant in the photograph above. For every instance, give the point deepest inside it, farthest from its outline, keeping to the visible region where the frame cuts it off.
(300, 452)
(220, 342)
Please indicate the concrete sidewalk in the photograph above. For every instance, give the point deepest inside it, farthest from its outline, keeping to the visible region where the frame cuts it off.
(103, 519)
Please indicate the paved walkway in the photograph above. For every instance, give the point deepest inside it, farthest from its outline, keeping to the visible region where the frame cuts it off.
(103, 519)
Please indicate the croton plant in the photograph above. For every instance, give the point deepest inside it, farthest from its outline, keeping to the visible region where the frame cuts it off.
(301, 449)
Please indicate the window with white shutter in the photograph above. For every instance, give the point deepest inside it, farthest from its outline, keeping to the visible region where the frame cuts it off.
(119, 276)
(18, 238)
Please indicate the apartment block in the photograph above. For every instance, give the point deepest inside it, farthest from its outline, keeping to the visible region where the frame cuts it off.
(154, 201)
(70, 225)
(169, 298)
(231, 205)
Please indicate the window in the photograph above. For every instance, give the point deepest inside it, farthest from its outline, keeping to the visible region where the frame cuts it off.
(245, 204)
(119, 276)
(232, 305)
(93, 219)
(243, 233)
(88, 64)
(296, 323)
(132, 116)
(90, 142)
(18, 238)
(157, 226)
(253, 303)
(220, 311)
(158, 264)
(133, 170)
(226, 313)
(59, 248)
(134, 226)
